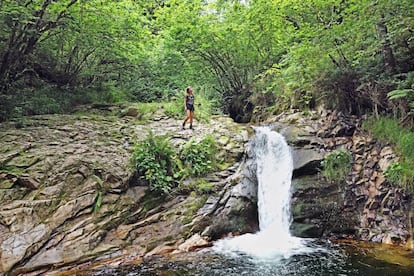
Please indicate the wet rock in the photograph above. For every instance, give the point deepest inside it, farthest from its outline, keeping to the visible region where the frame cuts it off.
(72, 163)
(306, 161)
(193, 243)
(28, 182)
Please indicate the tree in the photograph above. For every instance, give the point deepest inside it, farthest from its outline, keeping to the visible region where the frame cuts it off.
(25, 24)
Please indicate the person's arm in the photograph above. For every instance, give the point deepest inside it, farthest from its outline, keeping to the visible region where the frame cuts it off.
(185, 103)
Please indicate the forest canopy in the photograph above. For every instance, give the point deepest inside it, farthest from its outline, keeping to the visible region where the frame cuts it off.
(246, 56)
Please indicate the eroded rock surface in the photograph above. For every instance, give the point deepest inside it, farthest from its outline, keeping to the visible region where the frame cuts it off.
(55, 169)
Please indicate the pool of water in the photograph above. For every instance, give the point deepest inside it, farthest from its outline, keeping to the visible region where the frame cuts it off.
(325, 259)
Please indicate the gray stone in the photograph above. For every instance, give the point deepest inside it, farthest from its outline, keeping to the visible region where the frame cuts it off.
(18, 246)
(306, 161)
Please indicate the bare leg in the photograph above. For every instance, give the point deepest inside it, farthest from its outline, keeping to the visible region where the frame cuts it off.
(191, 119)
(188, 116)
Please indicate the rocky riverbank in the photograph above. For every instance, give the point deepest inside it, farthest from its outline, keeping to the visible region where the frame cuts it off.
(56, 168)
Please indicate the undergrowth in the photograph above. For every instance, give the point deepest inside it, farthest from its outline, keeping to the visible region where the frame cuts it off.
(337, 165)
(388, 130)
(162, 166)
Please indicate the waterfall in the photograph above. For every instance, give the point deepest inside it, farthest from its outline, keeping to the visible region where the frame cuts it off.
(274, 173)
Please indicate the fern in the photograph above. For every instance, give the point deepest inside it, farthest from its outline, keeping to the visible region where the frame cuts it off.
(401, 93)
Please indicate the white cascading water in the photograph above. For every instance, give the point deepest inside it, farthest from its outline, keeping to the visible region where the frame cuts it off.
(274, 174)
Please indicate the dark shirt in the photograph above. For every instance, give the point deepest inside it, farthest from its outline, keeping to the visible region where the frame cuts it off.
(189, 99)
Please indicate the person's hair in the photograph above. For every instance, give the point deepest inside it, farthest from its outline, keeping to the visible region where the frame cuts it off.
(188, 89)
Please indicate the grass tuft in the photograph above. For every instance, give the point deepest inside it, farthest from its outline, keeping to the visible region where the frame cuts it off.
(388, 130)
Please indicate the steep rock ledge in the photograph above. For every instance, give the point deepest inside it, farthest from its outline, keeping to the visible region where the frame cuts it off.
(364, 206)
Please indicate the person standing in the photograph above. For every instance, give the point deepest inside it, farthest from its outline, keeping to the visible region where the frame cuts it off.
(189, 107)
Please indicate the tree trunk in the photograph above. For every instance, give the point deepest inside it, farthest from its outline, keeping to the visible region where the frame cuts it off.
(387, 52)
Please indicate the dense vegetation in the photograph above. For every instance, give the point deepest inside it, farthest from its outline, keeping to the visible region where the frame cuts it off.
(160, 166)
(245, 56)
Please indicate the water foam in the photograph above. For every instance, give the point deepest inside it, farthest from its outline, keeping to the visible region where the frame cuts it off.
(274, 174)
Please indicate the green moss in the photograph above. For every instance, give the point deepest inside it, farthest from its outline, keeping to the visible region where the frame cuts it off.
(204, 186)
(6, 184)
(12, 169)
(223, 166)
(193, 206)
(198, 186)
(152, 200)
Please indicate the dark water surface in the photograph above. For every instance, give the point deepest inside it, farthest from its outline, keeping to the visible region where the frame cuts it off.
(327, 259)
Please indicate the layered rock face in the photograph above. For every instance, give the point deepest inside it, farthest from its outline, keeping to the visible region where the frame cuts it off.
(363, 206)
(67, 193)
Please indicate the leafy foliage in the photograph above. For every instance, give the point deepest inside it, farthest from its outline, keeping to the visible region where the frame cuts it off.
(401, 174)
(161, 166)
(403, 97)
(99, 194)
(276, 54)
(388, 130)
(337, 165)
(199, 157)
(154, 160)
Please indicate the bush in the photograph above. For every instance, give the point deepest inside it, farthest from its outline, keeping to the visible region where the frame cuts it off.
(158, 164)
(174, 108)
(155, 162)
(337, 165)
(147, 109)
(385, 129)
(388, 130)
(401, 174)
(199, 158)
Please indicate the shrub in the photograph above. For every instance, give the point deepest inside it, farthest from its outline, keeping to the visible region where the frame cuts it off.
(384, 129)
(406, 143)
(401, 174)
(99, 194)
(174, 108)
(336, 165)
(199, 158)
(155, 162)
(388, 130)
